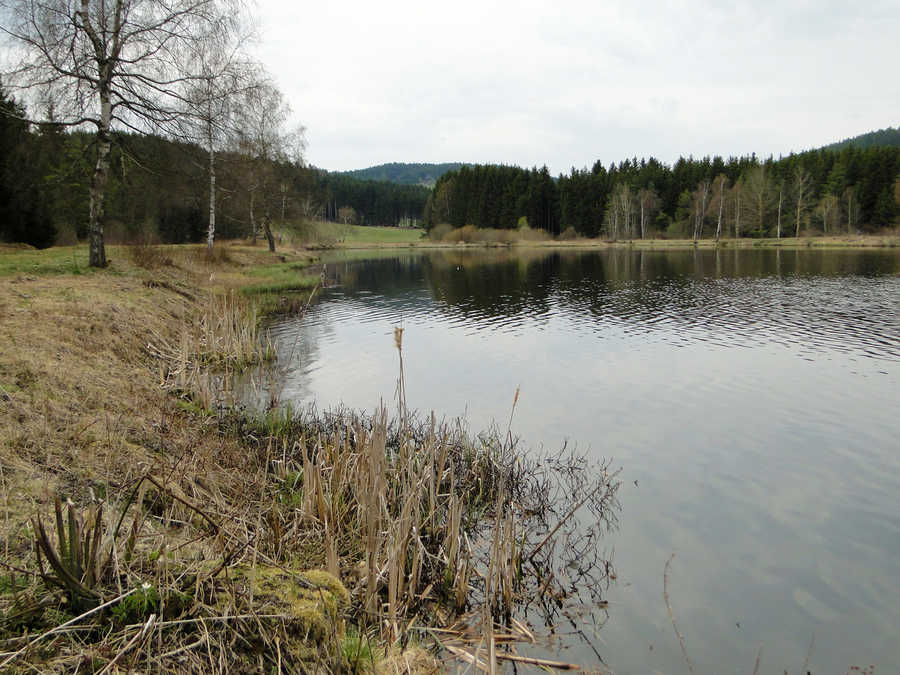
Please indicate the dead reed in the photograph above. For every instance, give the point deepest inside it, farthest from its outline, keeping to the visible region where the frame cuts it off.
(193, 539)
(427, 525)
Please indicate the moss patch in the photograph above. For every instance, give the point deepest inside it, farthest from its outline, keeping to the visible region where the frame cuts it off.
(313, 599)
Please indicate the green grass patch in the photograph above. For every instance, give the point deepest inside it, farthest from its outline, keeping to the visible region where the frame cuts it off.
(279, 278)
(12, 584)
(359, 651)
(364, 234)
(194, 408)
(290, 492)
(49, 261)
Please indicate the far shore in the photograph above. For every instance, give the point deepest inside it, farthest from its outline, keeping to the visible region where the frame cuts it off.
(862, 241)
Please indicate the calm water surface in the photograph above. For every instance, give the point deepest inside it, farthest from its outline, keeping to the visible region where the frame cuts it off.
(750, 397)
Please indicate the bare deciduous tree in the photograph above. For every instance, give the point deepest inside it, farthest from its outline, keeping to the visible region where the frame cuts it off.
(802, 189)
(649, 203)
(829, 208)
(758, 189)
(223, 76)
(265, 139)
(107, 64)
(701, 196)
(852, 208)
(780, 202)
(719, 186)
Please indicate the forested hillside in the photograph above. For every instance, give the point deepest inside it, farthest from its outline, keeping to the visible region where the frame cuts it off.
(889, 137)
(819, 191)
(159, 188)
(405, 174)
(369, 202)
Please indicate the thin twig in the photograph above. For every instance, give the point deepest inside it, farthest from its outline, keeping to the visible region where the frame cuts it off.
(672, 614)
(131, 643)
(812, 641)
(758, 657)
(564, 519)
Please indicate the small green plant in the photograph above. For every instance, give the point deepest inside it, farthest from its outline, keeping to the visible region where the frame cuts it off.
(359, 652)
(79, 563)
(137, 606)
(10, 583)
(290, 492)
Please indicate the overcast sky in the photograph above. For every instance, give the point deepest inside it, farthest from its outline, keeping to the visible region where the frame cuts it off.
(567, 83)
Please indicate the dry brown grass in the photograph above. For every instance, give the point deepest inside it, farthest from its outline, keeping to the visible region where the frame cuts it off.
(106, 398)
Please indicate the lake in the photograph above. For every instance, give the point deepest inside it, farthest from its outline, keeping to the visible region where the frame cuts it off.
(749, 396)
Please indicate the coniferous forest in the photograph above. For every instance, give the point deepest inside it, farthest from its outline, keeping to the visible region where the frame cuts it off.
(820, 191)
(158, 188)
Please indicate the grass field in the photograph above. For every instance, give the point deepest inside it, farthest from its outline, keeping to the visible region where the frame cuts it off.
(360, 234)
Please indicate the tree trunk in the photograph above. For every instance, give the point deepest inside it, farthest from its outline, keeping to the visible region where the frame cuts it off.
(268, 232)
(211, 233)
(721, 208)
(737, 217)
(799, 209)
(849, 212)
(252, 220)
(780, 197)
(642, 219)
(98, 181)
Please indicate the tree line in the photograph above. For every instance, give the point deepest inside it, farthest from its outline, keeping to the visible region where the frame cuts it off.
(828, 191)
(159, 188)
(132, 116)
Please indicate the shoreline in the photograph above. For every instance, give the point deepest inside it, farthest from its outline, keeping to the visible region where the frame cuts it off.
(839, 242)
(107, 414)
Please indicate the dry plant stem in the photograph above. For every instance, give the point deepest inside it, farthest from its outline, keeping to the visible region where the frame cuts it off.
(543, 663)
(571, 513)
(758, 657)
(672, 614)
(62, 626)
(144, 632)
(812, 641)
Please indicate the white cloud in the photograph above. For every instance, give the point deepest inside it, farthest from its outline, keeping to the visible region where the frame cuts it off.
(530, 83)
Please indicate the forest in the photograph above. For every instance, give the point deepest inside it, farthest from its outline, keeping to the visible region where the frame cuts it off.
(821, 191)
(405, 173)
(158, 188)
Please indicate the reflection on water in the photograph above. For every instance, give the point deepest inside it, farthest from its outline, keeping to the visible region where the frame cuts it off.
(749, 395)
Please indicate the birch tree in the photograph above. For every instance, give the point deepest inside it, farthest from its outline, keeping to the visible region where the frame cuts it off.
(648, 201)
(701, 196)
(224, 76)
(106, 64)
(622, 207)
(758, 189)
(802, 190)
(852, 208)
(737, 194)
(720, 184)
(829, 208)
(265, 138)
(780, 202)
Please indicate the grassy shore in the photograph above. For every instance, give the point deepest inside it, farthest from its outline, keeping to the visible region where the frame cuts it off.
(364, 237)
(146, 526)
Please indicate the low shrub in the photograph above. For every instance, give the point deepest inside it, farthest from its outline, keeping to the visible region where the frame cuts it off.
(568, 234)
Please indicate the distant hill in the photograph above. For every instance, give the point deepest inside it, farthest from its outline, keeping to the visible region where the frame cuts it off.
(405, 174)
(889, 137)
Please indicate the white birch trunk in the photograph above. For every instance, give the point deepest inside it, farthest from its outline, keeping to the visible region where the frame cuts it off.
(97, 256)
(211, 232)
(721, 208)
(780, 197)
